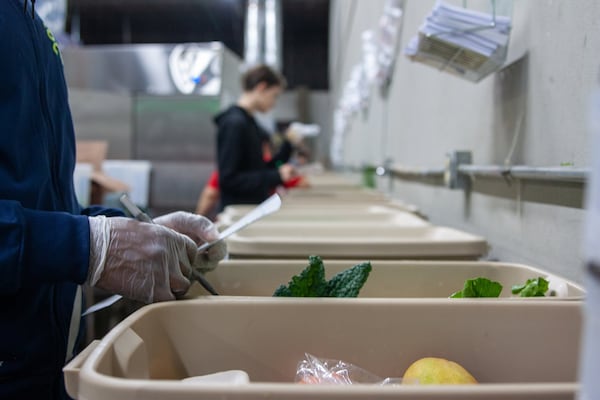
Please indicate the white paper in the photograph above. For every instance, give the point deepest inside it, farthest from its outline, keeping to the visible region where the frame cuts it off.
(465, 42)
(102, 304)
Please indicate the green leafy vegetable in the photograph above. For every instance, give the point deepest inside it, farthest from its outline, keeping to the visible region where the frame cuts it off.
(479, 287)
(349, 282)
(311, 281)
(532, 288)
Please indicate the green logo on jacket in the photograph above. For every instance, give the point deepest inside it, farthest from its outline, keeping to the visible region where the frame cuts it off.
(54, 42)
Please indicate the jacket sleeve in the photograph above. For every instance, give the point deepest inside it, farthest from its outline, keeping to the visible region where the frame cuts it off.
(41, 247)
(283, 155)
(94, 211)
(229, 157)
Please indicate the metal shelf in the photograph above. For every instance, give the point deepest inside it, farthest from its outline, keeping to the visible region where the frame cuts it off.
(556, 174)
(552, 174)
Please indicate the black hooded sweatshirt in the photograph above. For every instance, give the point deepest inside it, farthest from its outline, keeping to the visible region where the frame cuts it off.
(244, 176)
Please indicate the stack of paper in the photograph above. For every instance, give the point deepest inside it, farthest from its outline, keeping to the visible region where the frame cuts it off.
(465, 42)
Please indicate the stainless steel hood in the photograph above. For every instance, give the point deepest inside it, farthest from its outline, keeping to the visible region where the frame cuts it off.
(153, 69)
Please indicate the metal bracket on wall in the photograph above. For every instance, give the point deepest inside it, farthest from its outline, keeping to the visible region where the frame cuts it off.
(452, 177)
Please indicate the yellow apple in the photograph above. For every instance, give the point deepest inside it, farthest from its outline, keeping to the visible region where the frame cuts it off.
(433, 370)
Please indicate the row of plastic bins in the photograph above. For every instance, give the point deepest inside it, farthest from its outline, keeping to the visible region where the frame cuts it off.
(379, 230)
(517, 349)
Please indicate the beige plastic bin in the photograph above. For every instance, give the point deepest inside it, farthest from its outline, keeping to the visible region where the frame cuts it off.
(369, 242)
(388, 279)
(357, 194)
(348, 220)
(315, 210)
(333, 181)
(528, 352)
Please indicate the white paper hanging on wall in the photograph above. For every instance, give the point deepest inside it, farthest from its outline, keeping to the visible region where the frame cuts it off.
(370, 56)
(340, 127)
(464, 42)
(355, 97)
(379, 49)
(388, 39)
(356, 93)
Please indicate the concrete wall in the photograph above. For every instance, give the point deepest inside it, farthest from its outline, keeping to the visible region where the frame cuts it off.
(428, 113)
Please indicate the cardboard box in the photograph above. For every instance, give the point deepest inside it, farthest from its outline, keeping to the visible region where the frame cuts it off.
(94, 152)
(135, 174)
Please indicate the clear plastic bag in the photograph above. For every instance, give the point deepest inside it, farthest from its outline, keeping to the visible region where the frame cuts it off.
(314, 370)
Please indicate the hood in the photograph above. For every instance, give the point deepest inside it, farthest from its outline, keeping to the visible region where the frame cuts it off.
(233, 112)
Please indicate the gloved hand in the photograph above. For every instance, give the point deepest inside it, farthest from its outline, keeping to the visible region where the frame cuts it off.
(140, 261)
(200, 229)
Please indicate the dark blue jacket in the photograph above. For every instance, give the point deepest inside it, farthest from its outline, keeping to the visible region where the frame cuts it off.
(44, 235)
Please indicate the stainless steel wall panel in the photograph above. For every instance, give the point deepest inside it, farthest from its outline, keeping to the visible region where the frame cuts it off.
(177, 185)
(104, 116)
(175, 128)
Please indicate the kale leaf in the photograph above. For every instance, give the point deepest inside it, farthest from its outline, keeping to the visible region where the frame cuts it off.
(479, 287)
(311, 281)
(349, 282)
(532, 288)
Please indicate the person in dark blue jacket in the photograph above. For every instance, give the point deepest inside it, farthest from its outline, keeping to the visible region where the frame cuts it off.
(244, 176)
(49, 246)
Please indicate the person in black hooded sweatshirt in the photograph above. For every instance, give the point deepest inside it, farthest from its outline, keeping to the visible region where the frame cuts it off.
(244, 176)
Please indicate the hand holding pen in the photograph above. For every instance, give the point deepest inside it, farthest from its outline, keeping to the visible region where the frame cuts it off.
(200, 229)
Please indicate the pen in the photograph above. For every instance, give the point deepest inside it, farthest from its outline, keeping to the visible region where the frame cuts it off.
(143, 217)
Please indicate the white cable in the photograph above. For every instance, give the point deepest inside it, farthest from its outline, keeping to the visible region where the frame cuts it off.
(516, 136)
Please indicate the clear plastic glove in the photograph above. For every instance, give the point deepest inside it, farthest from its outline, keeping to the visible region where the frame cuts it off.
(140, 261)
(200, 229)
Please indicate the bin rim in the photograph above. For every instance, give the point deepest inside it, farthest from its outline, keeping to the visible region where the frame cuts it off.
(89, 376)
(390, 263)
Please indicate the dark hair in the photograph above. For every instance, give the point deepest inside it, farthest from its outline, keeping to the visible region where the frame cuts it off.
(261, 73)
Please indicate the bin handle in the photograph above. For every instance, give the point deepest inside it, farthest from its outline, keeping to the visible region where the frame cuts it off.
(71, 370)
